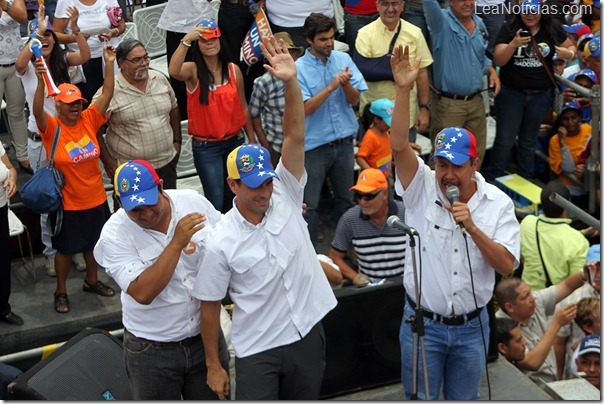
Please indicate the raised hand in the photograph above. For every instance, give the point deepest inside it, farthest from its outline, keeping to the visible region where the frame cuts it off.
(404, 73)
(281, 64)
(42, 21)
(73, 15)
(109, 54)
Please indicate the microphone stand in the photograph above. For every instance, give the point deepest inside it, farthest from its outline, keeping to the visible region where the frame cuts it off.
(417, 327)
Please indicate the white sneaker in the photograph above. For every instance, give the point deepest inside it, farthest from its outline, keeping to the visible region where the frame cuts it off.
(78, 261)
(50, 266)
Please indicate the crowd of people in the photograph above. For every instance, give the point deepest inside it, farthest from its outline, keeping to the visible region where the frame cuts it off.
(269, 142)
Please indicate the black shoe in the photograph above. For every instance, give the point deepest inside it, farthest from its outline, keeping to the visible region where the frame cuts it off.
(12, 318)
(27, 169)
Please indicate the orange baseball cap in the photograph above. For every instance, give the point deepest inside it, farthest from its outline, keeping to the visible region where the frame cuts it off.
(370, 180)
(69, 93)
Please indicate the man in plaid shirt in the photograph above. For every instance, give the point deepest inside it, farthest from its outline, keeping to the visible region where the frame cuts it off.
(267, 104)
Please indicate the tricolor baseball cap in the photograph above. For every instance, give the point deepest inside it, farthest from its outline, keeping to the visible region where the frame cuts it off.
(573, 29)
(589, 343)
(212, 30)
(592, 48)
(250, 163)
(573, 106)
(136, 184)
(456, 144)
(370, 180)
(32, 26)
(383, 108)
(583, 39)
(69, 93)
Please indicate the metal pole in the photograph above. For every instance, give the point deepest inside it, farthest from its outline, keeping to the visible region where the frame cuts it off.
(575, 211)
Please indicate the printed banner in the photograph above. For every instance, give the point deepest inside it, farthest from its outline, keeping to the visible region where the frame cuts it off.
(250, 48)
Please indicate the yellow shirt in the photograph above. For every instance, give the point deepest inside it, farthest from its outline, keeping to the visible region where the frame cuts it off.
(373, 41)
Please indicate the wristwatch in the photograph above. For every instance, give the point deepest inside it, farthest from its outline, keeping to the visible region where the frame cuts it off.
(427, 106)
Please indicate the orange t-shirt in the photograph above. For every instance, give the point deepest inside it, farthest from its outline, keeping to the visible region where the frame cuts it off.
(77, 157)
(376, 150)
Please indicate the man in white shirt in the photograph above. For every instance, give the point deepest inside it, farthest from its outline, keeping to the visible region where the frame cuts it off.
(152, 248)
(465, 241)
(261, 253)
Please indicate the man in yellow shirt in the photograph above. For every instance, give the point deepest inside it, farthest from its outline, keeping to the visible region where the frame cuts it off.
(373, 41)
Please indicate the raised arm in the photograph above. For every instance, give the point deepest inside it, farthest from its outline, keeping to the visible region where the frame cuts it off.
(16, 11)
(102, 103)
(282, 66)
(178, 68)
(38, 108)
(83, 54)
(404, 77)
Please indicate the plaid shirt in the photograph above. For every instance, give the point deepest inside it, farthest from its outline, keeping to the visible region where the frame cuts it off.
(268, 102)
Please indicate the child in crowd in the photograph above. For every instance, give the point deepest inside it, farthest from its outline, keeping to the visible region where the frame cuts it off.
(566, 146)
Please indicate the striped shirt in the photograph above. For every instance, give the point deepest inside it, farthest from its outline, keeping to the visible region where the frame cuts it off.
(381, 250)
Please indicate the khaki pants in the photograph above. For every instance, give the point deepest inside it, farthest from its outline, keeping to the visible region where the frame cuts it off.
(469, 115)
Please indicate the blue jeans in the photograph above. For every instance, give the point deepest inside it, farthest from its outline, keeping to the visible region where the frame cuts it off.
(337, 162)
(210, 162)
(455, 356)
(519, 116)
(173, 372)
(353, 23)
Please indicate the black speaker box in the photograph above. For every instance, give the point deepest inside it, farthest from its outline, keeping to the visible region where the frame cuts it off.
(362, 344)
(90, 366)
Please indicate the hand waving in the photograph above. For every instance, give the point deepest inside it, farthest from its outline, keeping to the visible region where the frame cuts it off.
(404, 73)
(282, 65)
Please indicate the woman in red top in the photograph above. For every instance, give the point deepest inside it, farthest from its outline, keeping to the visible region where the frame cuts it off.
(85, 208)
(216, 108)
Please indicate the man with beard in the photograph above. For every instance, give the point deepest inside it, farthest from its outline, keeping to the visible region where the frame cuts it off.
(143, 121)
(380, 250)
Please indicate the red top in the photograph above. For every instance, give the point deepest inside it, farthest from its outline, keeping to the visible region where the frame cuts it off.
(222, 116)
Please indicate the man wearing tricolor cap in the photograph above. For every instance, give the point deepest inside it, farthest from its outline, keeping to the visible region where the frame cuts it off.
(152, 248)
(470, 232)
(261, 254)
(588, 359)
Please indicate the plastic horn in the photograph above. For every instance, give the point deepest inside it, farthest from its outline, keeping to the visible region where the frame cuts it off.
(51, 88)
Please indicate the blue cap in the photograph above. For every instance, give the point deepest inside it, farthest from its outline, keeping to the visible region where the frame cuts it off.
(590, 74)
(593, 255)
(530, 6)
(572, 105)
(589, 343)
(250, 163)
(32, 26)
(382, 108)
(457, 145)
(597, 4)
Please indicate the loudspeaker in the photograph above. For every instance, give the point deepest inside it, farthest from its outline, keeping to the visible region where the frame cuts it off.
(90, 366)
(362, 343)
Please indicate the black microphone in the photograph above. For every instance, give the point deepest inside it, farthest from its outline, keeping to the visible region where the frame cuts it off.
(394, 221)
(453, 196)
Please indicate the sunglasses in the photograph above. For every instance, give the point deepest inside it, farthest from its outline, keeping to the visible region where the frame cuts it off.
(367, 197)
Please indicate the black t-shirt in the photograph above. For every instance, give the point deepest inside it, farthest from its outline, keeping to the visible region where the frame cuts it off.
(524, 70)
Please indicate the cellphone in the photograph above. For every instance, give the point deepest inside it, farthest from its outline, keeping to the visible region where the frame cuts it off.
(524, 33)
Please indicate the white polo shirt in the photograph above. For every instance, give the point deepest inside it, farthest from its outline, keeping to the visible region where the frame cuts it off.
(125, 250)
(271, 271)
(445, 269)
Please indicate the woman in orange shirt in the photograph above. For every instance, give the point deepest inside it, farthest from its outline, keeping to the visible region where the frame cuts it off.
(77, 157)
(216, 108)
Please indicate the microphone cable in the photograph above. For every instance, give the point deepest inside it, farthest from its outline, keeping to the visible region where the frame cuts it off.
(484, 343)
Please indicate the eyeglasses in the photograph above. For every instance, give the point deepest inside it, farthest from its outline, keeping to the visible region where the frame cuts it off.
(139, 60)
(367, 197)
(387, 4)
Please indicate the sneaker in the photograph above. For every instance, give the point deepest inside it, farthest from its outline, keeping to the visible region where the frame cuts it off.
(50, 266)
(78, 261)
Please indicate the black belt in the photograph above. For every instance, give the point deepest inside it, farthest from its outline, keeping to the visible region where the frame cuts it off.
(459, 97)
(338, 141)
(35, 137)
(531, 92)
(185, 342)
(447, 320)
(8, 65)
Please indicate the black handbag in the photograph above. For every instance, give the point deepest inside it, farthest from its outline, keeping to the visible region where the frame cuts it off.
(42, 193)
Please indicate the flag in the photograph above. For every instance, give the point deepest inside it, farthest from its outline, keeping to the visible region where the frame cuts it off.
(250, 48)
